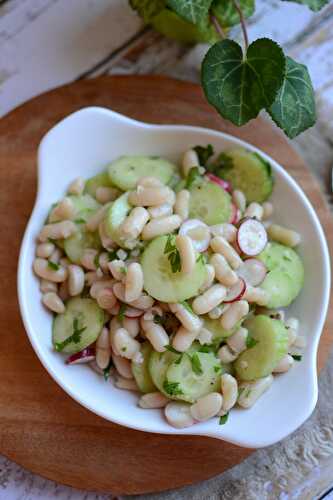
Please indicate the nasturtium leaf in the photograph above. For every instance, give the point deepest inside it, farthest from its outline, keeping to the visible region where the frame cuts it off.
(173, 26)
(294, 109)
(147, 9)
(240, 86)
(312, 4)
(226, 13)
(193, 11)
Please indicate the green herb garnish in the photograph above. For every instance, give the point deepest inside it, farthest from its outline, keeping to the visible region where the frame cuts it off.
(296, 357)
(178, 361)
(223, 420)
(158, 320)
(187, 306)
(217, 368)
(196, 364)
(53, 265)
(192, 177)
(123, 270)
(96, 261)
(202, 258)
(251, 342)
(204, 153)
(172, 349)
(112, 255)
(173, 254)
(172, 388)
(106, 371)
(75, 337)
(79, 221)
(122, 311)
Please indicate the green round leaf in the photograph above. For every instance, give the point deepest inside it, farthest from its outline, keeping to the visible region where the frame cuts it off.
(226, 13)
(147, 9)
(193, 11)
(239, 87)
(294, 109)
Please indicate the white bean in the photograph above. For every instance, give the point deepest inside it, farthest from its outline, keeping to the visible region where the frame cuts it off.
(226, 230)
(186, 252)
(47, 286)
(44, 250)
(75, 279)
(55, 256)
(124, 344)
(106, 241)
(223, 273)
(77, 186)
(100, 285)
(250, 392)
(43, 270)
(220, 245)
(189, 320)
(134, 223)
(103, 349)
(118, 269)
(156, 335)
(88, 259)
(190, 159)
(94, 220)
(237, 341)
(133, 282)
(105, 298)
(268, 210)
(284, 364)
(65, 262)
(226, 355)
(256, 295)
(207, 406)
(150, 196)
(90, 278)
(210, 276)
(149, 181)
(123, 366)
(57, 231)
(63, 291)
(211, 298)
(254, 210)
(157, 227)
(183, 339)
(53, 302)
(126, 384)
(182, 204)
(178, 415)
(144, 302)
(160, 211)
(103, 262)
(153, 400)
(229, 389)
(283, 235)
(106, 194)
(239, 199)
(64, 210)
(119, 291)
(205, 336)
(114, 310)
(216, 312)
(132, 325)
(234, 313)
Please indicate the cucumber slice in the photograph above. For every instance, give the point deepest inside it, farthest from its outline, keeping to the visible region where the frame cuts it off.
(214, 326)
(249, 173)
(285, 278)
(76, 244)
(84, 205)
(99, 180)
(159, 280)
(87, 314)
(141, 371)
(115, 216)
(158, 365)
(272, 344)
(127, 170)
(194, 375)
(210, 203)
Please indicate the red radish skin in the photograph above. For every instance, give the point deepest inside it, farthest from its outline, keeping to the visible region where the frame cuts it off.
(236, 292)
(220, 182)
(253, 271)
(235, 215)
(84, 356)
(251, 237)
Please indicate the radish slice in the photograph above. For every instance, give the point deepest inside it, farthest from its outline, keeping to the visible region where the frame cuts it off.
(132, 312)
(236, 292)
(253, 271)
(84, 356)
(251, 237)
(220, 182)
(199, 233)
(235, 214)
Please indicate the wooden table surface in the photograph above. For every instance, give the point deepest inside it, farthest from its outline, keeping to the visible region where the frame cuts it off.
(45, 43)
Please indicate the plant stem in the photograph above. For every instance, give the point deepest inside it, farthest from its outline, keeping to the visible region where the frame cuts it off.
(218, 27)
(243, 24)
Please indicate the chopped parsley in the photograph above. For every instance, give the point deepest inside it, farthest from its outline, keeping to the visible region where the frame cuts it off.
(158, 320)
(196, 364)
(223, 420)
(53, 265)
(192, 177)
(187, 306)
(96, 261)
(202, 258)
(217, 368)
(122, 311)
(207, 348)
(178, 361)
(123, 270)
(79, 221)
(172, 349)
(297, 357)
(106, 371)
(204, 153)
(75, 337)
(172, 388)
(251, 342)
(112, 255)
(173, 254)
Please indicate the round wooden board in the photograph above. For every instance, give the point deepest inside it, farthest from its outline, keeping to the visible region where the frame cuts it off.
(42, 428)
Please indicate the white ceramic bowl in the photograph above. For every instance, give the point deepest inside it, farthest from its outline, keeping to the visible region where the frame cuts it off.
(82, 145)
